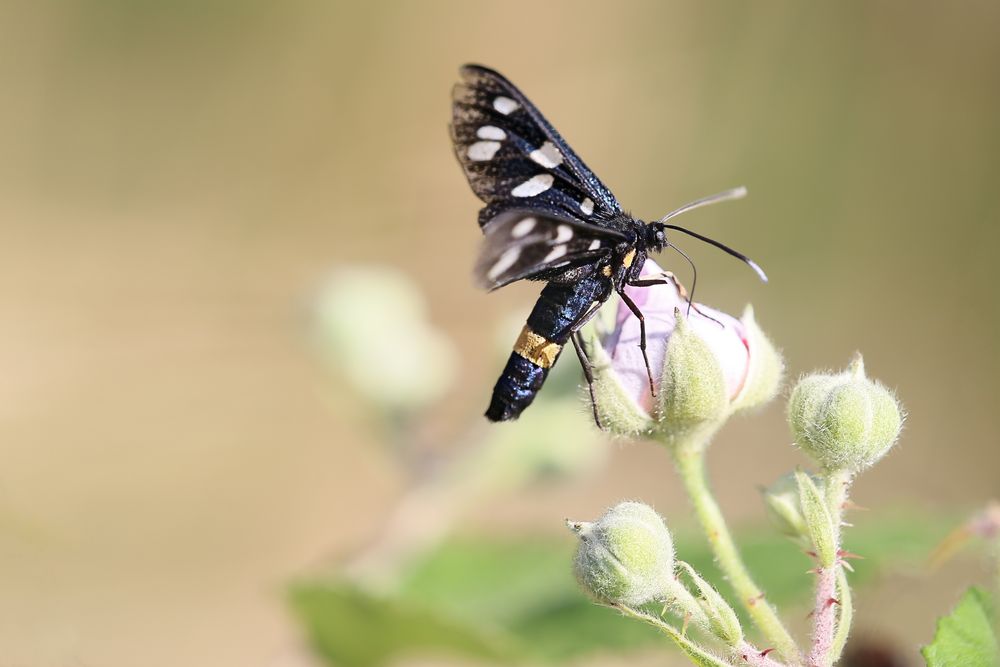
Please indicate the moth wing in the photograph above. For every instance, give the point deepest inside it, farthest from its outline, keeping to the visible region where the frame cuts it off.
(514, 158)
(524, 244)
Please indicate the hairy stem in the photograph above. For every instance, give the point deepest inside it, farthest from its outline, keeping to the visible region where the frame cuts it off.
(824, 617)
(830, 632)
(690, 462)
(754, 657)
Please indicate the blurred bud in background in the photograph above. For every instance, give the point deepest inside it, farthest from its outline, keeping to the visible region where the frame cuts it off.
(372, 329)
(784, 506)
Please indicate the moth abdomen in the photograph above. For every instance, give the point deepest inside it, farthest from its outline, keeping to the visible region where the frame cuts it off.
(516, 387)
(556, 316)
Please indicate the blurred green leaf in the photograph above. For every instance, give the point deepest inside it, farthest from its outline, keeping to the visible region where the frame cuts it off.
(528, 588)
(965, 637)
(516, 599)
(351, 627)
(577, 627)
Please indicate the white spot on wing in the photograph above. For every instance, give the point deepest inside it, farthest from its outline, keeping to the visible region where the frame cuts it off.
(587, 206)
(533, 186)
(548, 155)
(483, 150)
(594, 245)
(523, 227)
(505, 105)
(563, 233)
(505, 261)
(491, 132)
(554, 254)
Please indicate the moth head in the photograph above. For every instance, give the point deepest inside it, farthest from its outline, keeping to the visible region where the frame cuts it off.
(656, 236)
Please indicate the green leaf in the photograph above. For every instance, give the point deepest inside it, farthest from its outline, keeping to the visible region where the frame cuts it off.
(348, 626)
(965, 637)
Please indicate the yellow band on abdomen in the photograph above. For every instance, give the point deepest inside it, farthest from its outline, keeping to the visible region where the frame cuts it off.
(539, 350)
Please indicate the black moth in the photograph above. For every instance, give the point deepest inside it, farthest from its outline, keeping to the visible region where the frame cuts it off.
(548, 217)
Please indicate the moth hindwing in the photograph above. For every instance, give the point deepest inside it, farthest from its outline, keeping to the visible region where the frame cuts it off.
(526, 244)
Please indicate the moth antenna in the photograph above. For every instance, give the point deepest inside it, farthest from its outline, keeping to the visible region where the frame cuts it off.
(725, 195)
(738, 255)
(694, 284)
(694, 275)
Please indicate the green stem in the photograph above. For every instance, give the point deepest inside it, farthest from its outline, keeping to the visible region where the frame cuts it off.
(690, 462)
(837, 483)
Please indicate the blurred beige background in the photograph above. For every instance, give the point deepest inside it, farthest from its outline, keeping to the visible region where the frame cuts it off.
(177, 177)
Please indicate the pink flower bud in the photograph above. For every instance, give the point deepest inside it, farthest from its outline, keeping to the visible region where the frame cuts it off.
(727, 338)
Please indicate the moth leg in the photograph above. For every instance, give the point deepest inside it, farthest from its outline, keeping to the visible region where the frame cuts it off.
(588, 373)
(581, 353)
(642, 336)
(667, 278)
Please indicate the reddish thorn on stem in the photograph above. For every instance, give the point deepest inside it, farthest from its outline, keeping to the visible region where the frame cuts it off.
(764, 653)
(745, 658)
(755, 599)
(815, 570)
(832, 601)
(843, 553)
(811, 554)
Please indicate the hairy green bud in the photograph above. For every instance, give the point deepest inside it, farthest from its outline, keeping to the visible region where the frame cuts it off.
(844, 421)
(626, 557)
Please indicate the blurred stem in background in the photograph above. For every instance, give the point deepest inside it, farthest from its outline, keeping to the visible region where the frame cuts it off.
(360, 313)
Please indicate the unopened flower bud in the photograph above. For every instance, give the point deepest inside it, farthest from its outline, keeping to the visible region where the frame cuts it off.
(844, 421)
(626, 557)
(705, 364)
(784, 507)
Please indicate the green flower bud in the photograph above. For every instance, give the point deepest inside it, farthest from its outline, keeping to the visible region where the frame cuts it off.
(626, 557)
(784, 507)
(844, 421)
